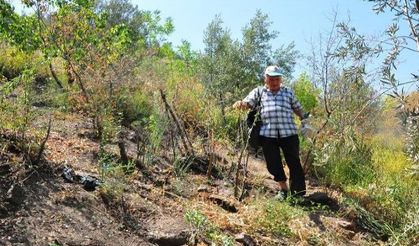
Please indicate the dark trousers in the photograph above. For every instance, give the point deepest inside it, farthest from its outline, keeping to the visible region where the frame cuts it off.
(290, 148)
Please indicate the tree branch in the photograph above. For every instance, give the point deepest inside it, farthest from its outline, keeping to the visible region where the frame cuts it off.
(184, 137)
(412, 27)
(54, 75)
(42, 146)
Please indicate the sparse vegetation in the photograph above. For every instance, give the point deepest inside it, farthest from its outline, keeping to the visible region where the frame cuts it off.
(272, 217)
(204, 227)
(153, 123)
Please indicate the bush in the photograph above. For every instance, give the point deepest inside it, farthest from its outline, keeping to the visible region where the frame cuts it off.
(345, 162)
(396, 192)
(229, 129)
(387, 203)
(305, 92)
(156, 126)
(13, 62)
(135, 106)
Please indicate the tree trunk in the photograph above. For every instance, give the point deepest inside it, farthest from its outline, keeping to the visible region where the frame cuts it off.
(54, 75)
(220, 97)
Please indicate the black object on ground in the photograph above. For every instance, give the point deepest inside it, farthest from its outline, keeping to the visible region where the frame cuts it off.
(89, 182)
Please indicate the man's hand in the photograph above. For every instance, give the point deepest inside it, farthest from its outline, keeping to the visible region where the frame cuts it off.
(241, 105)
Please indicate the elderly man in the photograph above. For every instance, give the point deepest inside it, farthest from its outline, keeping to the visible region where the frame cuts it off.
(278, 131)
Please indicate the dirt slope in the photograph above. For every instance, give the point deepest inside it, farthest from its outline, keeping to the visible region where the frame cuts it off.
(38, 206)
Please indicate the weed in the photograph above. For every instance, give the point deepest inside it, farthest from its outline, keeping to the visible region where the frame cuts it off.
(135, 106)
(113, 175)
(407, 233)
(315, 240)
(345, 162)
(156, 126)
(182, 187)
(205, 228)
(368, 221)
(271, 216)
(181, 166)
(112, 189)
(197, 219)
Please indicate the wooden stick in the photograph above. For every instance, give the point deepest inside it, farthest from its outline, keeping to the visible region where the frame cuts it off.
(175, 119)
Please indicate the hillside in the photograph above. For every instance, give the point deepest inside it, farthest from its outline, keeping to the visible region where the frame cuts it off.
(150, 205)
(111, 134)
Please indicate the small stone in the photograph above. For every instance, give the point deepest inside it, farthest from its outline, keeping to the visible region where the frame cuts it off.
(227, 204)
(347, 225)
(168, 239)
(245, 239)
(16, 194)
(203, 188)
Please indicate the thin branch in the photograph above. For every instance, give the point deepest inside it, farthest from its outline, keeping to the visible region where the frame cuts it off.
(305, 165)
(377, 96)
(79, 81)
(42, 146)
(412, 27)
(41, 24)
(401, 46)
(54, 75)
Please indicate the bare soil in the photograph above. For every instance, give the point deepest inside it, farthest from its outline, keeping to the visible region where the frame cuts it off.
(39, 207)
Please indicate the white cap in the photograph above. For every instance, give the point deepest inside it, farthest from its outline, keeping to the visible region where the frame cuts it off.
(273, 71)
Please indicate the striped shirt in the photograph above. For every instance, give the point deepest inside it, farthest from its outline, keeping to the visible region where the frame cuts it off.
(277, 111)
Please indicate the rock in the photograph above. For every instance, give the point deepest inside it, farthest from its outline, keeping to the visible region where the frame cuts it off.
(323, 199)
(5, 169)
(16, 194)
(246, 240)
(168, 230)
(203, 188)
(226, 203)
(270, 186)
(170, 239)
(348, 225)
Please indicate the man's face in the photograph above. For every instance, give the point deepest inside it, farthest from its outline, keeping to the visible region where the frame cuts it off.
(273, 83)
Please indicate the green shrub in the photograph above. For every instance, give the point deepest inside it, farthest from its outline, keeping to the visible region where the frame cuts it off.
(58, 100)
(407, 233)
(368, 220)
(12, 61)
(345, 162)
(182, 166)
(388, 205)
(306, 93)
(135, 106)
(395, 194)
(233, 119)
(276, 216)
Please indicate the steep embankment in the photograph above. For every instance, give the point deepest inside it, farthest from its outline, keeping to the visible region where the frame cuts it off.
(154, 205)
